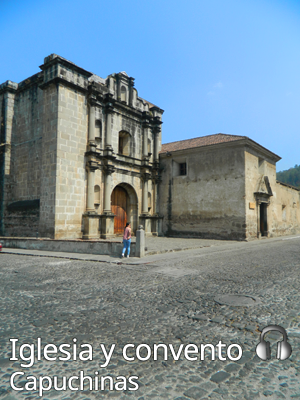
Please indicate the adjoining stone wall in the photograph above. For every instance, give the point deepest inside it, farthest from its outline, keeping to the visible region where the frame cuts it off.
(286, 211)
(209, 200)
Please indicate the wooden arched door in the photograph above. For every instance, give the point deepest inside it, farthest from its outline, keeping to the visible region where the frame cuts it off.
(119, 208)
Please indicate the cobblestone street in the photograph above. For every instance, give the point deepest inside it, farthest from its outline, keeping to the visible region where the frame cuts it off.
(172, 298)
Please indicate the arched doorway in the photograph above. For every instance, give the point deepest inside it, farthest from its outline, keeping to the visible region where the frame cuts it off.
(124, 206)
(119, 208)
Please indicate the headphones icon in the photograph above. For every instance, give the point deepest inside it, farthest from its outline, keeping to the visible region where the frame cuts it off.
(284, 349)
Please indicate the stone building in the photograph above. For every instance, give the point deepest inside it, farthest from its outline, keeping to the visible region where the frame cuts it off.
(224, 186)
(79, 154)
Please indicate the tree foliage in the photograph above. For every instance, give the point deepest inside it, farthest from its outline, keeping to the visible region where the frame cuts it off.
(290, 176)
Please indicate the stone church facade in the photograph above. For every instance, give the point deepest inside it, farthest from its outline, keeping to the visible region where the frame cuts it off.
(81, 155)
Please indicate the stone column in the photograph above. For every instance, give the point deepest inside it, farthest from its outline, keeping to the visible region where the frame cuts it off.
(107, 186)
(131, 86)
(7, 114)
(156, 144)
(157, 129)
(107, 218)
(145, 195)
(154, 186)
(90, 190)
(92, 124)
(90, 217)
(108, 135)
(145, 140)
(145, 217)
(108, 100)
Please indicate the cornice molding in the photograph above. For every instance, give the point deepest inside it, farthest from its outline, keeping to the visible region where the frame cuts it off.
(60, 81)
(9, 86)
(54, 59)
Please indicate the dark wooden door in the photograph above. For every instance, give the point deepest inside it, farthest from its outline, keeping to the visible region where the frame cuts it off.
(263, 219)
(119, 207)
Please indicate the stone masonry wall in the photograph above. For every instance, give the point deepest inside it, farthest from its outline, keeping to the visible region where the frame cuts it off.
(23, 170)
(71, 175)
(49, 161)
(286, 217)
(27, 144)
(283, 212)
(209, 200)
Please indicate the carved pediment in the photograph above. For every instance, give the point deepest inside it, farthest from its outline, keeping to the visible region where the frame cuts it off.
(263, 186)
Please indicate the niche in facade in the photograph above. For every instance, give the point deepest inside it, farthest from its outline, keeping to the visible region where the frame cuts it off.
(96, 196)
(123, 94)
(124, 143)
(262, 164)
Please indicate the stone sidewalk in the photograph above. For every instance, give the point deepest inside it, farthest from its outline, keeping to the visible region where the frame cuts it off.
(154, 246)
(160, 245)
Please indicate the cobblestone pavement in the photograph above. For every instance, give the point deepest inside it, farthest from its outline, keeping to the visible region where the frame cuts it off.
(168, 299)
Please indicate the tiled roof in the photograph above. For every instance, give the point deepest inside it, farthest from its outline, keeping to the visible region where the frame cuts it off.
(200, 142)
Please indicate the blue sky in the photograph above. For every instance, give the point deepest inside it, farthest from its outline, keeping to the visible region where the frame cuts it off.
(214, 66)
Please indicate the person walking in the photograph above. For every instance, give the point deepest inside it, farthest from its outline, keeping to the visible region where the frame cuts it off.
(127, 239)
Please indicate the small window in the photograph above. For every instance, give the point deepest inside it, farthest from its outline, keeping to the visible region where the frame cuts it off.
(182, 168)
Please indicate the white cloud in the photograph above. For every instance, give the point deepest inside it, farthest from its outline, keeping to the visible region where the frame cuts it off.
(218, 85)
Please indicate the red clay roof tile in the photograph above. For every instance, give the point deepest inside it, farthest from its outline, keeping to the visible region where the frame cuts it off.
(200, 142)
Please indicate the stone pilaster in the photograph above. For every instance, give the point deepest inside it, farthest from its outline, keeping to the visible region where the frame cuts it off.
(131, 91)
(8, 89)
(146, 177)
(90, 217)
(108, 132)
(146, 129)
(91, 167)
(7, 105)
(91, 123)
(157, 132)
(107, 218)
(109, 169)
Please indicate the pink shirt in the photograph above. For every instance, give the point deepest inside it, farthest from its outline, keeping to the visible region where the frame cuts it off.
(127, 233)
